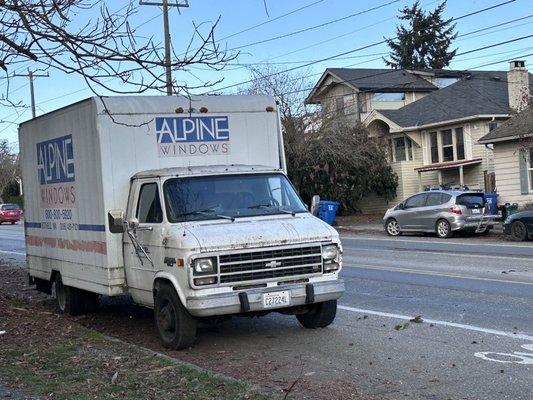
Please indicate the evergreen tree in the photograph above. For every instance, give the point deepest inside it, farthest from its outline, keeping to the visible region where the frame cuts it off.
(424, 42)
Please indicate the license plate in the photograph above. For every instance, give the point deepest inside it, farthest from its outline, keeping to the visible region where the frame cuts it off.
(276, 299)
(476, 211)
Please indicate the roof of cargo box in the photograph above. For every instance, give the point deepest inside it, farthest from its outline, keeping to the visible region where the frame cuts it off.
(204, 170)
(123, 105)
(136, 105)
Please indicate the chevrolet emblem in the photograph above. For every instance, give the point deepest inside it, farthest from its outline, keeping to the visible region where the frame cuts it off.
(273, 264)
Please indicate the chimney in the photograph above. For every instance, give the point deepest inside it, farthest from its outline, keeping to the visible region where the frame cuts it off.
(518, 85)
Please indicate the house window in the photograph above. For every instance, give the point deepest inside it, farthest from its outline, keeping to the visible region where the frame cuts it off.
(443, 82)
(434, 144)
(446, 145)
(402, 149)
(377, 97)
(459, 144)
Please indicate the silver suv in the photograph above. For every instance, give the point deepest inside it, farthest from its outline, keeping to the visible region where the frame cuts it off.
(440, 211)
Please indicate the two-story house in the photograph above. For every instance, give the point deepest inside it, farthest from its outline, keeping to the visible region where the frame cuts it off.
(434, 139)
(356, 92)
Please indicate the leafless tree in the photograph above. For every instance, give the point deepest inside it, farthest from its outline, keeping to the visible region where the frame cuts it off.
(328, 155)
(107, 51)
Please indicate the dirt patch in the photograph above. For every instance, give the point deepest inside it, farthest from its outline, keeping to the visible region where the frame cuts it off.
(55, 357)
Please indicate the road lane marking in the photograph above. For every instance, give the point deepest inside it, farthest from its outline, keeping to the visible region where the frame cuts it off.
(421, 272)
(12, 252)
(480, 243)
(516, 357)
(443, 253)
(520, 336)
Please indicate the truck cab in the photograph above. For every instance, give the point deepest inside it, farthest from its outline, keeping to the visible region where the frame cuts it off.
(202, 242)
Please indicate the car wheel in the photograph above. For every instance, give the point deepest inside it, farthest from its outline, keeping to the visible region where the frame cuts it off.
(392, 227)
(175, 326)
(13, 223)
(319, 315)
(443, 229)
(69, 300)
(518, 231)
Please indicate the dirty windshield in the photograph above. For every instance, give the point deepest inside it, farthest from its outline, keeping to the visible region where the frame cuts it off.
(230, 196)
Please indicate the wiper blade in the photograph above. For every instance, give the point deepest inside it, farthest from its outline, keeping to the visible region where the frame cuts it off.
(208, 212)
(196, 212)
(261, 206)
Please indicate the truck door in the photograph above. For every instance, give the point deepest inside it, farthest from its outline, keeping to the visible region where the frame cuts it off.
(145, 205)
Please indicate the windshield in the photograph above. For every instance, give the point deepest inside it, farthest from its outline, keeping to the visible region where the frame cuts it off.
(10, 207)
(230, 196)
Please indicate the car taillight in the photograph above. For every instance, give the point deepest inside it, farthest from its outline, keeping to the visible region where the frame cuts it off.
(456, 210)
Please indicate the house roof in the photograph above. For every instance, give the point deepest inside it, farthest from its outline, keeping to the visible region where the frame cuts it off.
(521, 125)
(375, 80)
(480, 93)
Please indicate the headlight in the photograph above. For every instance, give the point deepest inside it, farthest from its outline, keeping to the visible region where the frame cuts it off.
(330, 252)
(204, 266)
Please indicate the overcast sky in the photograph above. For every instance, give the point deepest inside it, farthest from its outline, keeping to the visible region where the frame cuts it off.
(237, 15)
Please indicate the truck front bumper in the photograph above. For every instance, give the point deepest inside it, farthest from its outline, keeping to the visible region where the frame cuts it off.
(252, 300)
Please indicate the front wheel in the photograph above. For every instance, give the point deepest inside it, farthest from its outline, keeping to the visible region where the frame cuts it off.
(392, 227)
(175, 326)
(319, 315)
(443, 229)
(518, 231)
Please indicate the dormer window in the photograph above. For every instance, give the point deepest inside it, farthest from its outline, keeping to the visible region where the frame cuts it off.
(388, 96)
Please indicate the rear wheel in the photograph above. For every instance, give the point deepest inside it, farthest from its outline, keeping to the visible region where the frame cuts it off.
(443, 229)
(69, 300)
(518, 231)
(392, 227)
(13, 223)
(319, 315)
(175, 326)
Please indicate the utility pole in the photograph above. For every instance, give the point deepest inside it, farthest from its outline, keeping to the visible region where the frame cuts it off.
(165, 4)
(31, 75)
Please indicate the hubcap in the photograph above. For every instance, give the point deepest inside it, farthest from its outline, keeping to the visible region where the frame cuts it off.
(443, 228)
(166, 318)
(518, 230)
(393, 228)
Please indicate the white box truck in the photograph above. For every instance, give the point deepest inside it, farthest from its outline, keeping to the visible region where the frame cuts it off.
(182, 203)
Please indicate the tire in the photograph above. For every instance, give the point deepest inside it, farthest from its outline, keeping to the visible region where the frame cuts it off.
(69, 300)
(392, 227)
(518, 231)
(319, 316)
(443, 229)
(175, 326)
(13, 223)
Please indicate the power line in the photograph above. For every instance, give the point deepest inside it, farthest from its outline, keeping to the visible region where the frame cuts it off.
(314, 26)
(360, 48)
(271, 20)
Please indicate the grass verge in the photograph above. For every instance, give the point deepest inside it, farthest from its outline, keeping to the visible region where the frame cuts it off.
(54, 357)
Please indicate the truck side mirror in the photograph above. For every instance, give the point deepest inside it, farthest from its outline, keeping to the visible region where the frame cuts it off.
(133, 223)
(116, 221)
(314, 204)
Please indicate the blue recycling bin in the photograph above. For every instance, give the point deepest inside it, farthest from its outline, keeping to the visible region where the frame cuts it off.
(327, 210)
(492, 201)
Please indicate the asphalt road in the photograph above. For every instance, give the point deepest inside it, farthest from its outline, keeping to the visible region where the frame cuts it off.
(475, 341)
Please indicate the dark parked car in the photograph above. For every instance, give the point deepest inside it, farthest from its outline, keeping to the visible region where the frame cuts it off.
(519, 225)
(440, 211)
(10, 213)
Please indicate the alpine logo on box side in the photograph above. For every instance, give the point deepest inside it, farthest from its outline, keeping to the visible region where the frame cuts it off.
(192, 136)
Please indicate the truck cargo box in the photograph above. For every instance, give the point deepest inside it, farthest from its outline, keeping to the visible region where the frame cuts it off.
(77, 163)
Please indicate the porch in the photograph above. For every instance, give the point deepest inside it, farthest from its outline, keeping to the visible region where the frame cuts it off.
(446, 169)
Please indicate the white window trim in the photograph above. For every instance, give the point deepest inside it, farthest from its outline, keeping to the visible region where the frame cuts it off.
(440, 147)
(407, 148)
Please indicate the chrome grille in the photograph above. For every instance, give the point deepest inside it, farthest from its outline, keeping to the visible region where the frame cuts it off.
(269, 264)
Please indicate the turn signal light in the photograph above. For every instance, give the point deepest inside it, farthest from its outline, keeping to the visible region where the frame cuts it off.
(456, 210)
